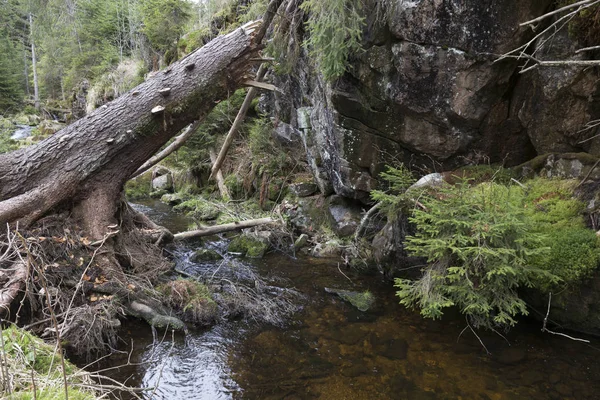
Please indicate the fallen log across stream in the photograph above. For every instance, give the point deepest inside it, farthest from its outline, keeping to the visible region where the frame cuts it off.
(213, 230)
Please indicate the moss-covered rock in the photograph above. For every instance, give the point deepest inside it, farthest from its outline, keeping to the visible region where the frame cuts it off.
(363, 301)
(248, 246)
(199, 208)
(192, 300)
(173, 199)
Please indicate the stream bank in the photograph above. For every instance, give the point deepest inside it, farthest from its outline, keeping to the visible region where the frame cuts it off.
(330, 350)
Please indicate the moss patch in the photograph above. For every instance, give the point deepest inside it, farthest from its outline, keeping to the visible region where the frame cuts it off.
(248, 246)
(192, 300)
(26, 355)
(551, 209)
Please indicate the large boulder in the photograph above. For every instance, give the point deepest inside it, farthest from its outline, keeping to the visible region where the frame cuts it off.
(555, 104)
(427, 91)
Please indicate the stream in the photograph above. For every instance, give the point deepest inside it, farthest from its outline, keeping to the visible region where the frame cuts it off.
(330, 350)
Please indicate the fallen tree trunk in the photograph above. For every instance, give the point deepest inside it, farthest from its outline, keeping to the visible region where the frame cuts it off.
(213, 230)
(241, 115)
(179, 141)
(84, 166)
(225, 195)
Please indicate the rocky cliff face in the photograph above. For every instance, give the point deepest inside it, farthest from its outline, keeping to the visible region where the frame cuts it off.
(427, 91)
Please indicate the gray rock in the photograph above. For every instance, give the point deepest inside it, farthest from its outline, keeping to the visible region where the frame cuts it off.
(304, 189)
(301, 241)
(287, 134)
(430, 180)
(163, 182)
(346, 215)
(424, 92)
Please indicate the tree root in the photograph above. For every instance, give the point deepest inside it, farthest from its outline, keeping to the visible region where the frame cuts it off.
(88, 285)
(153, 317)
(13, 282)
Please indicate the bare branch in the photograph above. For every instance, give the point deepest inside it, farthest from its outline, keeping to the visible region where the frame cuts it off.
(544, 329)
(581, 4)
(587, 49)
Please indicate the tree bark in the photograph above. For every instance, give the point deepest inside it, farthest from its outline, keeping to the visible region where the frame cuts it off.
(36, 90)
(84, 166)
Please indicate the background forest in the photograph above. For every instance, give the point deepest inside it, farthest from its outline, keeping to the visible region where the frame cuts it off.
(51, 47)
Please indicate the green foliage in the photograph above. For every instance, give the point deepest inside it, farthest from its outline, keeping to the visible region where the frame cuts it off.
(267, 155)
(335, 29)
(164, 21)
(484, 173)
(195, 151)
(483, 242)
(112, 84)
(30, 358)
(235, 186)
(194, 40)
(253, 11)
(11, 72)
(394, 199)
(6, 129)
(478, 248)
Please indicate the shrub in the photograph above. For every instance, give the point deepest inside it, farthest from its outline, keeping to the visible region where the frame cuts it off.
(394, 199)
(267, 155)
(478, 248)
(484, 242)
(193, 300)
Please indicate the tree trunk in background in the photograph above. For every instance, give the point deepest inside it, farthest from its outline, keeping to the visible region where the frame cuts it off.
(84, 166)
(36, 90)
(26, 70)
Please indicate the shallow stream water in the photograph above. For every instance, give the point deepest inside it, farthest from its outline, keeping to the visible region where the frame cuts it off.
(329, 350)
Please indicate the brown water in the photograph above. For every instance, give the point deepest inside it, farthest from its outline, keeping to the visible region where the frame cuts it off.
(329, 350)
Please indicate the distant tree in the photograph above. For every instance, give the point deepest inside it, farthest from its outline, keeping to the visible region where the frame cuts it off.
(11, 82)
(163, 25)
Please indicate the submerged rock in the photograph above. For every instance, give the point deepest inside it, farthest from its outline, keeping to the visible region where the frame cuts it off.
(204, 255)
(363, 301)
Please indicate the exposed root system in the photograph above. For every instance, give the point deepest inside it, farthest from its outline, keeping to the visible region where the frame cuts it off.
(61, 284)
